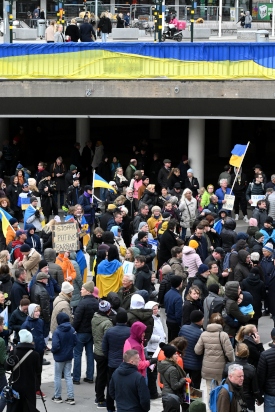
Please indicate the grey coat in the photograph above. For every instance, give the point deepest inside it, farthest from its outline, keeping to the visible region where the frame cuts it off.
(77, 282)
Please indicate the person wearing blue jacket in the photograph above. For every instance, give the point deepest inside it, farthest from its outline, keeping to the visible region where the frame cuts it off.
(63, 343)
(193, 362)
(221, 192)
(112, 347)
(267, 265)
(33, 240)
(89, 204)
(173, 307)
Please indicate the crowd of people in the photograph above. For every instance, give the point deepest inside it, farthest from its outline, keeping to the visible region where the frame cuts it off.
(155, 239)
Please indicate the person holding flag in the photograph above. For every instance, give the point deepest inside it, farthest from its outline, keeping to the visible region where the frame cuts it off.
(34, 215)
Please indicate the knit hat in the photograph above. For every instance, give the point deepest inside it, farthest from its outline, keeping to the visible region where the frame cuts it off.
(89, 286)
(154, 208)
(242, 235)
(137, 302)
(42, 264)
(141, 225)
(253, 222)
(166, 269)
(193, 243)
(144, 178)
(255, 257)
(255, 271)
(190, 171)
(168, 350)
(104, 306)
(66, 287)
(12, 221)
(150, 304)
(111, 207)
(268, 246)
(31, 309)
(25, 336)
(258, 235)
(203, 268)
(62, 317)
(121, 317)
(177, 185)
(197, 406)
(42, 275)
(24, 247)
(196, 316)
(141, 235)
(214, 288)
(73, 167)
(20, 232)
(88, 187)
(175, 281)
(269, 220)
(33, 199)
(95, 292)
(112, 183)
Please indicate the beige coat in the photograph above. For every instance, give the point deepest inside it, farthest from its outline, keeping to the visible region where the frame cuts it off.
(30, 263)
(213, 360)
(60, 304)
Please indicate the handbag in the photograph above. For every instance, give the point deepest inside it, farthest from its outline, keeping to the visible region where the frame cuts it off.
(226, 358)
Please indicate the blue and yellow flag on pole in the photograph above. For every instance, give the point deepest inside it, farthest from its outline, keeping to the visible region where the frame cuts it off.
(5, 217)
(238, 153)
(99, 182)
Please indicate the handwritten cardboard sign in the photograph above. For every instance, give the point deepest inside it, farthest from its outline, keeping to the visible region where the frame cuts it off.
(229, 204)
(65, 237)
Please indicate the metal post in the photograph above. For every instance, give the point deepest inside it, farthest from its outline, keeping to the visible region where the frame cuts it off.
(192, 21)
(273, 17)
(10, 20)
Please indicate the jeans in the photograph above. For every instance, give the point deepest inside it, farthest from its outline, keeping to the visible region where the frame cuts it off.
(3, 383)
(183, 234)
(84, 340)
(269, 403)
(101, 377)
(65, 367)
(248, 26)
(102, 193)
(104, 37)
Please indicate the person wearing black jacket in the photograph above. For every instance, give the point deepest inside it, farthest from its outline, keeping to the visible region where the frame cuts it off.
(145, 250)
(18, 317)
(164, 173)
(167, 242)
(191, 183)
(73, 31)
(86, 31)
(74, 192)
(19, 288)
(105, 26)
(143, 274)
(239, 192)
(243, 267)
(228, 234)
(200, 280)
(266, 375)
(254, 285)
(40, 296)
(83, 315)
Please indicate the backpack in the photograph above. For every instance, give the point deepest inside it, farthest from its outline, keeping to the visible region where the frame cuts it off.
(12, 258)
(217, 306)
(226, 260)
(214, 394)
(252, 185)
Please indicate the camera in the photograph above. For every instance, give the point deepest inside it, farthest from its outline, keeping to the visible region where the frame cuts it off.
(9, 394)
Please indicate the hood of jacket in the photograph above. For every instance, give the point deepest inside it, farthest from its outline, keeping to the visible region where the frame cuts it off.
(253, 279)
(164, 365)
(247, 299)
(143, 315)
(231, 290)
(242, 255)
(136, 331)
(12, 179)
(72, 256)
(241, 244)
(50, 255)
(114, 229)
(108, 237)
(224, 211)
(145, 269)
(126, 369)
(188, 250)
(5, 277)
(65, 327)
(29, 227)
(229, 223)
(214, 327)
(114, 300)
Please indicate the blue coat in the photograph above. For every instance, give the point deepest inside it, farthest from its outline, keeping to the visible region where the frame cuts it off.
(113, 342)
(88, 207)
(36, 327)
(191, 333)
(33, 240)
(267, 264)
(220, 195)
(173, 306)
(52, 288)
(63, 343)
(268, 237)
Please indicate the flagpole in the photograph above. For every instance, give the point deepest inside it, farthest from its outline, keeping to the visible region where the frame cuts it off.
(239, 168)
(93, 185)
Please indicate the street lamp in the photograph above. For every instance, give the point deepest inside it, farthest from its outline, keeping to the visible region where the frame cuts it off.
(10, 20)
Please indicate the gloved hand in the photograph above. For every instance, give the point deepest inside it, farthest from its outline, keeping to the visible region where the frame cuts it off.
(37, 214)
(153, 361)
(188, 380)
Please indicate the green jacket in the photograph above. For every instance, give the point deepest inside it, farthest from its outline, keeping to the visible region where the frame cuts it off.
(100, 324)
(212, 279)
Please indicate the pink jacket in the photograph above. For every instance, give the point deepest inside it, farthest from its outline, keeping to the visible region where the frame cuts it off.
(135, 342)
(137, 185)
(191, 259)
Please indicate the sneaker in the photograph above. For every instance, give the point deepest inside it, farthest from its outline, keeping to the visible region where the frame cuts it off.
(45, 362)
(101, 405)
(236, 217)
(70, 401)
(57, 400)
(96, 402)
(38, 394)
(76, 382)
(246, 219)
(88, 380)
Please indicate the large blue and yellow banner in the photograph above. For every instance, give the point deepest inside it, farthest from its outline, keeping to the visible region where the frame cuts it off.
(190, 61)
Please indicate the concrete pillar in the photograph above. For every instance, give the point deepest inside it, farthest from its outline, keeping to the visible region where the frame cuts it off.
(196, 148)
(225, 141)
(155, 129)
(4, 129)
(14, 10)
(43, 6)
(82, 131)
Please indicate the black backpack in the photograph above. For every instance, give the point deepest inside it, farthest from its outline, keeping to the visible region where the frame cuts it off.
(217, 305)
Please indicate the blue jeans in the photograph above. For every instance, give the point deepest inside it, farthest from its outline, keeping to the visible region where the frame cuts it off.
(269, 403)
(65, 367)
(83, 340)
(104, 37)
(102, 193)
(183, 233)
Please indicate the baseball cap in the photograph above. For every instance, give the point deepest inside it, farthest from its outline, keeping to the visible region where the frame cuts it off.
(20, 232)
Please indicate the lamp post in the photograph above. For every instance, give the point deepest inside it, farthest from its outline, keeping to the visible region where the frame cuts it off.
(192, 21)
(10, 20)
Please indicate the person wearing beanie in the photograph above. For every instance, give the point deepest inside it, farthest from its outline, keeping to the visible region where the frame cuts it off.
(100, 324)
(62, 304)
(192, 333)
(197, 406)
(146, 251)
(89, 205)
(36, 325)
(188, 207)
(154, 221)
(255, 243)
(11, 231)
(83, 316)
(112, 347)
(73, 192)
(26, 374)
(137, 312)
(33, 215)
(31, 259)
(260, 214)
(268, 231)
(142, 227)
(173, 307)
(243, 266)
(212, 302)
(173, 378)
(192, 183)
(200, 280)
(190, 259)
(63, 342)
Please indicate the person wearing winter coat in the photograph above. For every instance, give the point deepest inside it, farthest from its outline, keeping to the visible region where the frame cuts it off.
(13, 191)
(165, 284)
(86, 31)
(6, 282)
(34, 215)
(73, 193)
(191, 183)
(46, 234)
(190, 259)
(127, 290)
(222, 191)
(251, 389)
(30, 260)
(32, 239)
(254, 285)
(58, 171)
(192, 302)
(174, 177)
(243, 267)
(47, 191)
(128, 387)
(62, 304)
(167, 242)
(149, 195)
(188, 207)
(99, 153)
(164, 173)
(114, 301)
(105, 26)
(55, 270)
(260, 213)
(137, 313)
(200, 281)
(130, 170)
(18, 317)
(228, 234)
(154, 220)
(119, 242)
(89, 204)
(68, 269)
(239, 192)
(77, 282)
(73, 31)
(92, 246)
(205, 200)
(249, 335)
(216, 348)
(173, 307)
(19, 288)
(109, 273)
(145, 250)
(63, 343)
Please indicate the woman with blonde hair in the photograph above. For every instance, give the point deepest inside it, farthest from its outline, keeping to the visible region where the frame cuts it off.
(32, 187)
(49, 33)
(46, 235)
(4, 260)
(149, 197)
(120, 180)
(188, 207)
(173, 177)
(120, 21)
(249, 335)
(72, 31)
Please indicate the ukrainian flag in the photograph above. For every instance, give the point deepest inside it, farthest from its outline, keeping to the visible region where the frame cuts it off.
(99, 182)
(238, 153)
(5, 217)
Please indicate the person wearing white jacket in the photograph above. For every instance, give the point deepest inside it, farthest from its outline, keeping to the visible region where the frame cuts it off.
(188, 207)
(158, 336)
